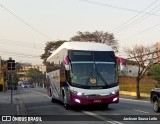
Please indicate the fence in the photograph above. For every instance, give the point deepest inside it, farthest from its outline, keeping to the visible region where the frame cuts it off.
(128, 84)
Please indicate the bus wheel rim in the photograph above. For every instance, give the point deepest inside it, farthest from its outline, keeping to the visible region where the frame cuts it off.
(156, 106)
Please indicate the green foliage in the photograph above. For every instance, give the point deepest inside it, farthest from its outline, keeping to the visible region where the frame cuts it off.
(97, 36)
(51, 67)
(34, 74)
(155, 73)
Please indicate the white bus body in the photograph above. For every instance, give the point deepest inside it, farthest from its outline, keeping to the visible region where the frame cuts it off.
(87, 74)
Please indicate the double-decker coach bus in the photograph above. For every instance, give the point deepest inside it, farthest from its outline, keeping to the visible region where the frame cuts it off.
(86, 73)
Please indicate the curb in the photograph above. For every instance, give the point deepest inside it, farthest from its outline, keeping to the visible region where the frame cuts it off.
(134, 94)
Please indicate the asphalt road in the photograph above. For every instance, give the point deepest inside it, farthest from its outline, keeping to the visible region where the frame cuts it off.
(34, 101)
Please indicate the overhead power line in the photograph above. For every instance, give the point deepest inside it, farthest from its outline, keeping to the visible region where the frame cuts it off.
(149, 28)
(117, 7)
(126, 9)
(25, 22)
(141, 12)
(25, 44)
(145, 54)
(18, 54)
(134, 22)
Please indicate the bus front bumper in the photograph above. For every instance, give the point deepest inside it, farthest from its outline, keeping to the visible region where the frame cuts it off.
(87, 99)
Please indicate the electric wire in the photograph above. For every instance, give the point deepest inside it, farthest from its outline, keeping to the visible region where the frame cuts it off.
(19, 54)
(21, 44)
(139, 12)
(136, 21)
(112, 30)
(24, 22)
(149, 28)
(116, 7)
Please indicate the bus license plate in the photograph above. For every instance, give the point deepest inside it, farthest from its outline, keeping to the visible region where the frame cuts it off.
(97, 101)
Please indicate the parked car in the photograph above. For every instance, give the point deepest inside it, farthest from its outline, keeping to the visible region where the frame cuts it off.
(20, 83)
(155, 99)
(25, 84)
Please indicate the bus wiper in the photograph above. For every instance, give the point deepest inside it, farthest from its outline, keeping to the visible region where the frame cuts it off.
(99, 75)
(102, 78)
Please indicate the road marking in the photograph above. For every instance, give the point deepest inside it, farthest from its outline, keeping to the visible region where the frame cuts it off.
(134, 100)
(42, 94)
(89, 113)
(17, 109)
(141, 111)
(36, 107)
(102, 118)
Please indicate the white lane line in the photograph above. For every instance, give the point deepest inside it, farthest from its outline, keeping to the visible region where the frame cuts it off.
(41, 94)
(17, 109)
(141, 111)
(102, 118)
(89, 113)
(39, 107)
(135, 100)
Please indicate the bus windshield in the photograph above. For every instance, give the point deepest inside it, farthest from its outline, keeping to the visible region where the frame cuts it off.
(93, 69)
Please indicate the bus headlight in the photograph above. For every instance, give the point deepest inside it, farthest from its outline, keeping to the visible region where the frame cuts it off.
(79, 94)
(115, 99)
(77, 100)
(114, 92)
(76, 93)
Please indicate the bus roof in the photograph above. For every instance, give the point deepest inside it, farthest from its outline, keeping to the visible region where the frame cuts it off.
(84, 46)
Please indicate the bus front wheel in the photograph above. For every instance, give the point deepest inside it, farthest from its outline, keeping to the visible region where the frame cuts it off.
(66, 106)
(156, 106)
(52, 99)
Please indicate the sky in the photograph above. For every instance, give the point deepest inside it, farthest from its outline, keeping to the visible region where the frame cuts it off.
(26, 25)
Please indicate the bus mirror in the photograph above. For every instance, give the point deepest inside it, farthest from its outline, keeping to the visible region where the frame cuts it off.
(66, 62)
(122, 64)
(67, 67)
(122, 67)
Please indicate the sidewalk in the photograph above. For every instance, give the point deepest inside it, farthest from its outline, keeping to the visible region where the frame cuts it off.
(6, 108)
(134, 97)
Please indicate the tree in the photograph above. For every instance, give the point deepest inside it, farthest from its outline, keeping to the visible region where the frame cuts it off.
(145, 57)
(97, 36)
(50, 47)
(155, 74)
(35, 75)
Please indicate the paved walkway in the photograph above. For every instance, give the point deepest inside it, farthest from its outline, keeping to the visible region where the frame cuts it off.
(6, 108)
(134, 97)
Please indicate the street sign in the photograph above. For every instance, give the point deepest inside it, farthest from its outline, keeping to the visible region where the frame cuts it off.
(11, 64)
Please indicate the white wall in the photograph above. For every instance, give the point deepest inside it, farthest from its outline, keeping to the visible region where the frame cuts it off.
(132, 70)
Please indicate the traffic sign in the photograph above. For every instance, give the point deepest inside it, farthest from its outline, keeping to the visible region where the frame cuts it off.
(11, 64)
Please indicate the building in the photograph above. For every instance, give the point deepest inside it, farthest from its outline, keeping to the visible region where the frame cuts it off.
(131, 68)
(24, 68)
